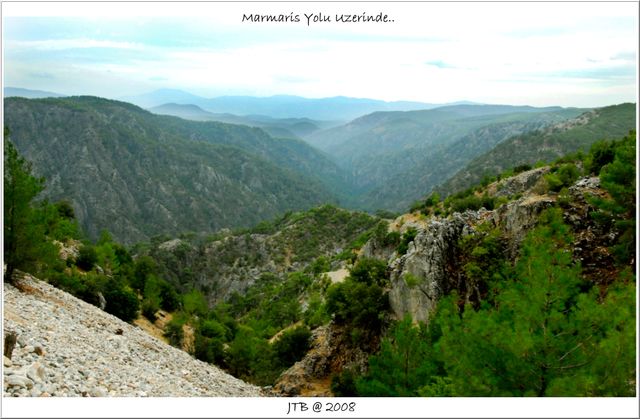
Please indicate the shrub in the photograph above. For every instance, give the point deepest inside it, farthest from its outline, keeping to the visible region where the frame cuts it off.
(173, 331)
(370, 271)
(357, 304)
(169, 298)
(316, 313)
(568, 174)
(411, 280)
(212, 329)
(195, 303)
(208, 349)
(600, 154)
(149, 309)
(407, 237)
(144, 267)
(87, 257)
(521, 168)
(122, 302)
(292, 345)
(564, 176)
(344, 384)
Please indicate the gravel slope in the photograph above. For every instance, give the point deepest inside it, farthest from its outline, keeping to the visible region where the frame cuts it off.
(66, 347)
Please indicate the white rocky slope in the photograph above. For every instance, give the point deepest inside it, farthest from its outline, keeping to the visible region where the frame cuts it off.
(66, 347)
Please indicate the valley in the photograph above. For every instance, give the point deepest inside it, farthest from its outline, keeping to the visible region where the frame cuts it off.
(398, 253)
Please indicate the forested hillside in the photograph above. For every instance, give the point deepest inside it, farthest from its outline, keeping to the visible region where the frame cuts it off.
(546, 144)
(396, 157)
(279, 128)
(138, 174)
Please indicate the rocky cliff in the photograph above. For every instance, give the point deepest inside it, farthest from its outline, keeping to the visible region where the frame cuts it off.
(432, 266)
(66, 347)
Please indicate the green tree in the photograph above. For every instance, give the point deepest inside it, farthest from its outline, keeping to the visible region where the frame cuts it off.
(151, 298)
(601, 153)
(174, 331)
(292, 345)
(195, 303)
(144, 266)
(402, 366)
(543, 333)
(357, 304)
(87, 257)
(122, 302)
(619, 179)
(370, 271)
(24, 240)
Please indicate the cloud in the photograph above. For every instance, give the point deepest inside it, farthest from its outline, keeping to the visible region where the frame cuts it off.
(440, 64)
(625, 56)
(289, 78)
(433, 53)
(42, 75)
(65, 44)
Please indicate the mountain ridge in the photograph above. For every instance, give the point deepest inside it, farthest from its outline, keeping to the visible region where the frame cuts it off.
(278, 106)
(546, 144)
(150, 169)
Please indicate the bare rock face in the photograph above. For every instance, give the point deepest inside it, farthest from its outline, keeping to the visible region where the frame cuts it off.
(519, 217)
(432, 267)
(519, 183)
(420, 277)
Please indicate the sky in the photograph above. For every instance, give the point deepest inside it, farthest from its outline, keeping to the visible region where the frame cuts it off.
(541, 54)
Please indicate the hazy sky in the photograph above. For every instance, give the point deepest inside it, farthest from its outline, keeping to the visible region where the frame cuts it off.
(570, 54)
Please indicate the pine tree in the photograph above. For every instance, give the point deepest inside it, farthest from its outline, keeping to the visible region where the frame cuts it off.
(24, 241)
(402, 365)
(543, 337)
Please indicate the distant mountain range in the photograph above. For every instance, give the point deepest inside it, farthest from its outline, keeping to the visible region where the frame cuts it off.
(282, 106)
(333, 110)
(280, 128)
(28, 93)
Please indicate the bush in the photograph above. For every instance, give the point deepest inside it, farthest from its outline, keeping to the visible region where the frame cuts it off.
(173, 331)
(169, 298)
(411, 280)
(370, 271)
(209, 349)
(73, 283)
(87, 257)
(292, 345)
(568, 174)
(122, 302)
(521, 168)
(357, 304)
(316, 313)
(600, 154)
(344, 384)
(564, 176)
(407, 238)
(195, 303)
(149, 309)
(212, 329)
(144, 267)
